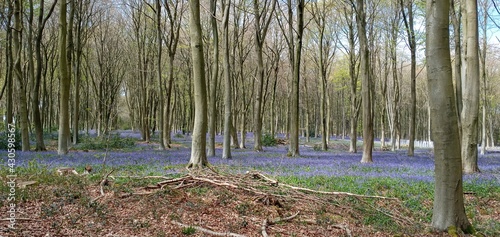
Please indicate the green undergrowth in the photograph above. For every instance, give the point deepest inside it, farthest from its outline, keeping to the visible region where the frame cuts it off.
(417, 197)
(105, 142)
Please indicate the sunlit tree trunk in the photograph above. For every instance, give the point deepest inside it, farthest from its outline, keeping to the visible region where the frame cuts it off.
(294, 107)
(448, 195)
(470, 111)
(198, 153)
(366, 84)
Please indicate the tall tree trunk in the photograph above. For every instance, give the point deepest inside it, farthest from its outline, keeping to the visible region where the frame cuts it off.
(37, 120)
(456, 18)
(412, 43)
(261, 27)
(198, 153)
(484, 51)
(366, 84)
(161, 99)
(226, 152)
(64, 84)
(470, 112)
(17, 48)
(448, 194)
(294, 107)
(213, 82)
(10, 67)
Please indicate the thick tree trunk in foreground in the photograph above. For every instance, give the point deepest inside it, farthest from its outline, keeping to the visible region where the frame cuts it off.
(198, 153)
(470, 111)
(448, 195)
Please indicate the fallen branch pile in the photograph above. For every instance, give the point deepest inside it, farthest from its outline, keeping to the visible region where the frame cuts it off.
(266, 191)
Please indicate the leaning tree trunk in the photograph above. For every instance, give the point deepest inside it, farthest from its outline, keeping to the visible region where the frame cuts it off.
(199, 140)
(448, 195)
(470, 111)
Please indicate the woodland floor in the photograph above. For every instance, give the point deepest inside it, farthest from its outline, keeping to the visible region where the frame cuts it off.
(108, 203)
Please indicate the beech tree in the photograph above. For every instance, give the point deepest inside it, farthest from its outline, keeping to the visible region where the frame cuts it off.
(470, 111)
(226, 153)
(448, 207)
(65, 81)
(412, 43)
(263, 17)
(366, 82)
(294, 107)
(18, 73)
(198, 153)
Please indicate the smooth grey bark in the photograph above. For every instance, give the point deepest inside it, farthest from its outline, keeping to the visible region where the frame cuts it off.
(484, 50)
(65, 82)
(470, 111)
(226, 146)
(294, 106)
(448, 207)
(198, 153)
(18, 74)
(365, 83)
(213, 82)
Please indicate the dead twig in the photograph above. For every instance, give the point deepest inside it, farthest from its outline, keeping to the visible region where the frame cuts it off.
(207, 231)
(103, 182)
(267, 223)
(274, 182)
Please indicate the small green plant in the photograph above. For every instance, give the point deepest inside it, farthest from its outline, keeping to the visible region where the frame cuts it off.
(188, 230)
(268, 140)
